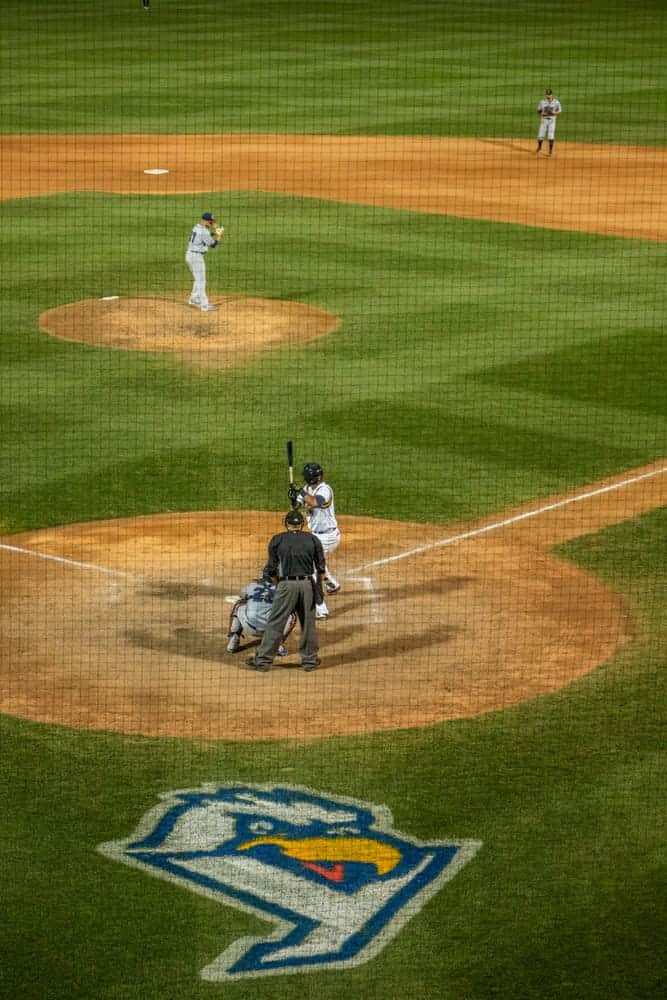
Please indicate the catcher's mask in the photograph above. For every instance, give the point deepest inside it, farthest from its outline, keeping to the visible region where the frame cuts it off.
(313, 473)
(294, 519)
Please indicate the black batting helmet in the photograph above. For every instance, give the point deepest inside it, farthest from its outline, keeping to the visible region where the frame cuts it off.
(294, 519)
(313, 473)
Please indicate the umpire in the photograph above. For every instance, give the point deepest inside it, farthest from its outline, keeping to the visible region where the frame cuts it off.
(296, 559)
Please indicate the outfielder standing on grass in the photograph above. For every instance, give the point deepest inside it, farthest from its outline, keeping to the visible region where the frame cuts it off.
(318, 499)
(295, 557)
(201, 241)
(548, 109)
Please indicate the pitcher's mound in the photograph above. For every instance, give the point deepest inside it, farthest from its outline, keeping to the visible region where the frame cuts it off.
(240, 326)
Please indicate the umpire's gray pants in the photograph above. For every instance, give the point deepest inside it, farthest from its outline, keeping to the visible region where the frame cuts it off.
(291, 595)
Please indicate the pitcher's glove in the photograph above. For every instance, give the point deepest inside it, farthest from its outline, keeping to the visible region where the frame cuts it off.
(218, 231)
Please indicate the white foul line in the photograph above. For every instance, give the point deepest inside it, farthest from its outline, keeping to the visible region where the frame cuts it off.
(474, 532)
(61, 559)
(389, 559)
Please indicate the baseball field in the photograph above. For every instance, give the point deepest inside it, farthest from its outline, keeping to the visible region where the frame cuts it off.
(465, 800)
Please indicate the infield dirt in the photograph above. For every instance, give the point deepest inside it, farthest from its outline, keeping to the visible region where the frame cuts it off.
(126, 629)
(123, 625)
(616, 190)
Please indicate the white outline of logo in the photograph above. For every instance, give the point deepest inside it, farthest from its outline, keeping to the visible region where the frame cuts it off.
(332, 873)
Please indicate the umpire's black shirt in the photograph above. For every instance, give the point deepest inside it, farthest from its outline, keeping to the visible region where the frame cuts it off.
(295, 553)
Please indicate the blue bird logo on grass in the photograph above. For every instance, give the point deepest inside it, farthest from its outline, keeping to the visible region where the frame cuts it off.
(331, 873)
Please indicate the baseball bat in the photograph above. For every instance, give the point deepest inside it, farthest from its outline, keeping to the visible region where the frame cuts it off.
(290, 461)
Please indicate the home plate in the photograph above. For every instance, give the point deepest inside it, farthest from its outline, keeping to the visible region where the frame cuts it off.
(156, 170)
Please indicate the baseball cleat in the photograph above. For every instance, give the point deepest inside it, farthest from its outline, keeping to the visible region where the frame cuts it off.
(234, 643)
(254, 665)
(307, 667)
(209, 308)
(282, 651)
(193, 302)
(321, 616)
(331, 588)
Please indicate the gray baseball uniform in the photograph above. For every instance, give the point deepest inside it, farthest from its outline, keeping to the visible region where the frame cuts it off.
(200, 243)
(250, 614)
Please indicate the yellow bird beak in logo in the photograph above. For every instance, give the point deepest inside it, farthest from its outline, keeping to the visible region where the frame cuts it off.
(334, 849)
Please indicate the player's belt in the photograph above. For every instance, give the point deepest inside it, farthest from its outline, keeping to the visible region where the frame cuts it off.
(280, 578)
(325, 531)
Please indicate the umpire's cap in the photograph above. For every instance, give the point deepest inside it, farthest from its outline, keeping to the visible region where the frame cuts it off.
(294, 519)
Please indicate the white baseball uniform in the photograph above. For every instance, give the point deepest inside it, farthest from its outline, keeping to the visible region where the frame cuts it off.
(322, 519)
(323, 524)
(549, 109)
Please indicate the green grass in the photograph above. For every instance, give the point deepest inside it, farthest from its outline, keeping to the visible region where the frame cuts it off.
(335, 66)
(564, 792)
(477, 366)
(564, 390)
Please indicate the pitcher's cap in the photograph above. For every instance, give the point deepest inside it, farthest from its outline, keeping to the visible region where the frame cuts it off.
(208, 216)
(548, 90)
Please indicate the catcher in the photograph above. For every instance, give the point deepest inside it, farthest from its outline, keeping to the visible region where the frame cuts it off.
(250, 614)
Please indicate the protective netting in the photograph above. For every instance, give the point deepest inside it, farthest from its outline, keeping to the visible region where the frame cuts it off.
(424, 244)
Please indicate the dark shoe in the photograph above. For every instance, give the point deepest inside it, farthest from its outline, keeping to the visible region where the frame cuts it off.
(307, 667)
(254, 665)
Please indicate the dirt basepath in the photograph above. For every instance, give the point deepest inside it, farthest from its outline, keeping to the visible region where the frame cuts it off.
(123, 625)
(616, 190)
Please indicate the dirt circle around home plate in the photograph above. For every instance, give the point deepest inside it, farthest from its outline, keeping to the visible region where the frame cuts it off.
(122, 625)
(240, 327)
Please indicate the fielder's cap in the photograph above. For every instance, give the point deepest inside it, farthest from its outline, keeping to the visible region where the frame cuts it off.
(548, 91)
(208, 216)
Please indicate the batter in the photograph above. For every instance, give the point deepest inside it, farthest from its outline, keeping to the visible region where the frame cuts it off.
(318, 499)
